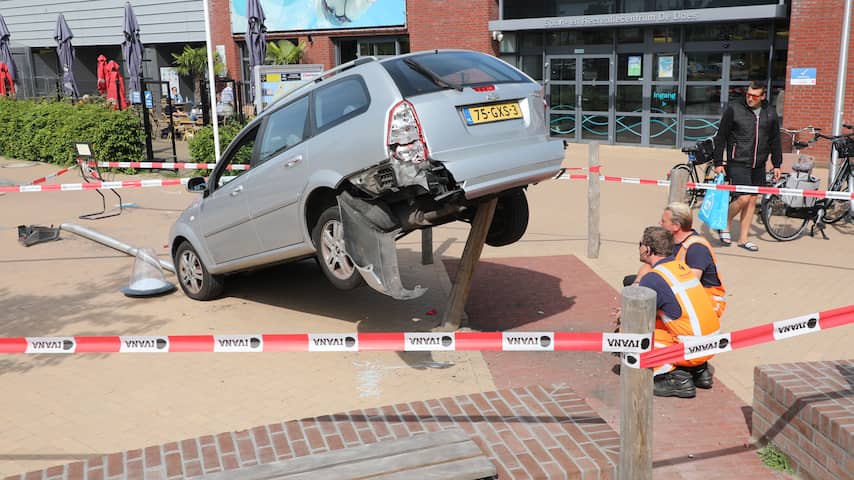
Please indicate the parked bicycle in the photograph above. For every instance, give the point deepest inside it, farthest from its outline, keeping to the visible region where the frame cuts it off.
(699, 167)
(786, 216)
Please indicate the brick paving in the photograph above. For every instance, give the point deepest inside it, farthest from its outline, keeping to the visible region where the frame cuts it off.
(531, 432)
(707, 437)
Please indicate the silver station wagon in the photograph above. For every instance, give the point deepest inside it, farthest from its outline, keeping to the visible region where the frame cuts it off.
(345, 165)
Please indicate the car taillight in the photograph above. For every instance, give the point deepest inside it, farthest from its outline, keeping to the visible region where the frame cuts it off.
(405, 138)
(484, 88)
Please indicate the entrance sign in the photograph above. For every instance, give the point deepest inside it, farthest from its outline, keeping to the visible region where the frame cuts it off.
(803, 76)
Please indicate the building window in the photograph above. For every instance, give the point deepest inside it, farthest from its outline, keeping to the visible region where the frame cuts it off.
(354, 47)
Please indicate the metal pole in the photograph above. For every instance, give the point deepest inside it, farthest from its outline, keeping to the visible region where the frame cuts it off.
(212, 97)
(637, 315)
(110, 242)
(593, 200)
(149, 150)
(841, 74)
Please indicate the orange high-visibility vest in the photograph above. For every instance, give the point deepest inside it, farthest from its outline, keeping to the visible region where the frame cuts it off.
(716, 292)
(698, 315)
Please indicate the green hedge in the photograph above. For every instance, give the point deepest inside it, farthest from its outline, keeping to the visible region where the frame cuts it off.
(202, 144)
(44, 130)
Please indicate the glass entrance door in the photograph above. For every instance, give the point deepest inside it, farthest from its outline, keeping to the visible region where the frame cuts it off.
(580, 91)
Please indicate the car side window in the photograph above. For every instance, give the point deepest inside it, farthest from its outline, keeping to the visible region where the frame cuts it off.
(285, 128)
(339, 101)
(239, 160)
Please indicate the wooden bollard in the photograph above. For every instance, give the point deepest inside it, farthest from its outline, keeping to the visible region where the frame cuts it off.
(637, 315)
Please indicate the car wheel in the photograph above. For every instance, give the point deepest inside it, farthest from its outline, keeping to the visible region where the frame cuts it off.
(328, 238)
(510, 221)
(194, 278)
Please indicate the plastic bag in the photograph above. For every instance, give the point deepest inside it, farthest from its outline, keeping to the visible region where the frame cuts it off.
(715, 208)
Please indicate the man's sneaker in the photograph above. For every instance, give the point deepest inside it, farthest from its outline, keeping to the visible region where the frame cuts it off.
(677, 383)
(701, 374)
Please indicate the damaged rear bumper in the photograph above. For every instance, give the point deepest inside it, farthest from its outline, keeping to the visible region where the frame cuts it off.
(369, 236)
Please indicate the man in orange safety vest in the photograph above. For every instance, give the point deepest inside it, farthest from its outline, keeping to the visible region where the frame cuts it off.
(683, 310)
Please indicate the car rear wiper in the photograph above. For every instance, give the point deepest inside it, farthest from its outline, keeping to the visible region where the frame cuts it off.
(429, 74)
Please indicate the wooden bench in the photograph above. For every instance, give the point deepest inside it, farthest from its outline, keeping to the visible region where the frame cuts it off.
(445, 455)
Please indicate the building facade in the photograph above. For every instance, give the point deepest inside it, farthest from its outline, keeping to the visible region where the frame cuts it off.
(636, 72)
(166, 26)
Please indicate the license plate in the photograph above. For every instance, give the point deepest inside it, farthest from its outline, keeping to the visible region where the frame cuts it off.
(492, 113)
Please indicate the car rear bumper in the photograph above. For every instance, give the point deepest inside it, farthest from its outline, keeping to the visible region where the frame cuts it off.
(483, 171)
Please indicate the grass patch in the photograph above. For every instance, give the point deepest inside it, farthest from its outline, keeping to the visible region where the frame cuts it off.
(775, 459)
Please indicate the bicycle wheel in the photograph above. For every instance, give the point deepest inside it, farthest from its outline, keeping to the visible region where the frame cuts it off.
(838, 209)
(691, 194)
(778, 224)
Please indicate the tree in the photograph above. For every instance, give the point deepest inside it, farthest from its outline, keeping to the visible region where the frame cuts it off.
(284, 52)
(193, 63)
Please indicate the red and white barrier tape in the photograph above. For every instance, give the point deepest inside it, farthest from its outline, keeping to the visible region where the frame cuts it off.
(154, 182)
(608, 178)
(775, 191)
(166, 166)
(725, 342)
(44, 179)
(636, 346)
(712, 186)
(336, 342)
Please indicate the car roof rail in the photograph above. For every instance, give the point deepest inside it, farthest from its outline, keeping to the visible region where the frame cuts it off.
(328, 73)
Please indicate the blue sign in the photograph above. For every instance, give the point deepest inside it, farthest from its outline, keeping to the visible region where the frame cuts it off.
(803, 76)
(149, 103)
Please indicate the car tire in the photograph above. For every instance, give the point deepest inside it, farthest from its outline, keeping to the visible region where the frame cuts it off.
(328, 239)
(193, 276)
(510, 220)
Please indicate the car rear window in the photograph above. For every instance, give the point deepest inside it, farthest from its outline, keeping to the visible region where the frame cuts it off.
(466, 69)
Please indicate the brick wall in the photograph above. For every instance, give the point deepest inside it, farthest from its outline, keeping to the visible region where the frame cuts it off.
(451, 24)
(814, 40)
(221, 35)
(807, 410)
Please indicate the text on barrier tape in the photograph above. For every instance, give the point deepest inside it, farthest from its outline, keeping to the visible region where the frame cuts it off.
(337, 342)
(636, 348)
(770, 332)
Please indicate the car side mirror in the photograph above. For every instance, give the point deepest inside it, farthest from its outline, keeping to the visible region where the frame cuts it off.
(197, 185)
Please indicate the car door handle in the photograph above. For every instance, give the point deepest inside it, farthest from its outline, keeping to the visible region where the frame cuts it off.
(237, 191)
(293, 162)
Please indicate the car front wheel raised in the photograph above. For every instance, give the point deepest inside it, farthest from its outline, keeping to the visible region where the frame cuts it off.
(196, 282)
(328, 238)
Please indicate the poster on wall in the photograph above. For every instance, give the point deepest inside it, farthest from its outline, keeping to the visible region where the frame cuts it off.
(634, 69)
(665, 66)
(169, 74)
(803, 76)
(284, 15)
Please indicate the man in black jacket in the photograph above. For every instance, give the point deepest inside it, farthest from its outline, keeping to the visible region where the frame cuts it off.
(749, 132)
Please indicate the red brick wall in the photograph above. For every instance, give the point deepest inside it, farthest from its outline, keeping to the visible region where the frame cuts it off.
(814, 34)
(805, 410)
(451, 24)
(221, 35)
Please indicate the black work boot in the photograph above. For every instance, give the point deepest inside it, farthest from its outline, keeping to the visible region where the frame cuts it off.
(677, 383)
(701, 374)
